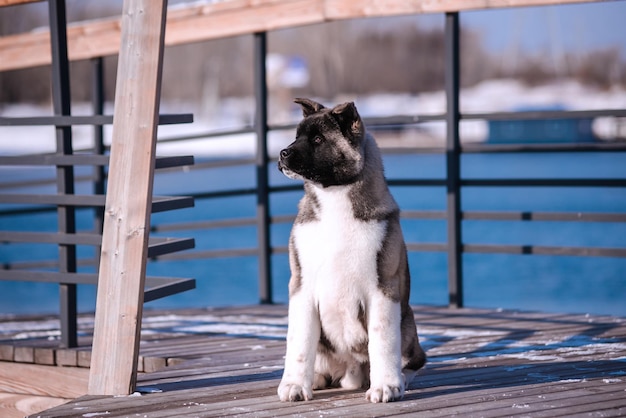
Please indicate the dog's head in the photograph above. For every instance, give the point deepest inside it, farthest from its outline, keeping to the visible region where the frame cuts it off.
(328, 149)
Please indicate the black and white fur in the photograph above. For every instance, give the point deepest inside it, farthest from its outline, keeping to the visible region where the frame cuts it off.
(350, 324)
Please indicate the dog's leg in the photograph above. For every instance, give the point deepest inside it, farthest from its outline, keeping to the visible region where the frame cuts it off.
(303, 336)
(387, 381)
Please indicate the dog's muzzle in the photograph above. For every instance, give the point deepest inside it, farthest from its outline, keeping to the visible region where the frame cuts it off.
(283, 164)
(282, 159)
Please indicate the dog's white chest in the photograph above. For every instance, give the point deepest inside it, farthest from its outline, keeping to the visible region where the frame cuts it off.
(338, 253)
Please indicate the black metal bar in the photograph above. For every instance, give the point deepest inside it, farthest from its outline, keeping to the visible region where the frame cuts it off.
(453, 168)
(222, 223)
(49, 277)
(545, 114)
(69, 121)
(545, 216)
(160, 287)
(65, 160)
(161, 163)
(156, 287)
(222, 193)
(99, 174)
(536, 148)
(50, 237)
(157, 247)
(87, 159)
(53, 199)
(159, 203)
(162, 204)
(545, 250)
(61, 100)
(263, 209)
(407, 215)
(540, 182)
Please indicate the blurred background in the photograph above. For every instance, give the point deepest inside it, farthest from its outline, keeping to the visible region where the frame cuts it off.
(567, 57)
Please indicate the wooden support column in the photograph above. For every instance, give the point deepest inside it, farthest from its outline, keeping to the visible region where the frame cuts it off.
(121, 279)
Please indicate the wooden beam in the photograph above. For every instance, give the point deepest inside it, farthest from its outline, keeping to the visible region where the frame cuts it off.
(14, 405)
(201, 22)
(36, 379)
(119, 304)
(14, 2)
(351, 9)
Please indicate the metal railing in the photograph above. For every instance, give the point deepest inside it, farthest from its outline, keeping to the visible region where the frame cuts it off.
(453, 182)
(64, 270)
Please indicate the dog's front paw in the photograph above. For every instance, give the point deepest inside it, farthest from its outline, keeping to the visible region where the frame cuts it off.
(293, 392)
(384, 393)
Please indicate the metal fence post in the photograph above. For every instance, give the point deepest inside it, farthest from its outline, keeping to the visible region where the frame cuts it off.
(97, 104)
(263, 209)
(61, 100)
(453, 154)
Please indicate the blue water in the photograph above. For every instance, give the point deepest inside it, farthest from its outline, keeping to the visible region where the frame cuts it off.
(546, 283)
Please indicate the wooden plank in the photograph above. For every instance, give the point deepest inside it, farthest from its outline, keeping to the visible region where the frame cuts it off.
(119, 304)
(201, 22)
(24, 354)
(14, 2)
(350, 9)
(482, 363)
(33, 379)
(84, 358)
(67, 357)
(6, 352)
(18, 406)
(45, 355)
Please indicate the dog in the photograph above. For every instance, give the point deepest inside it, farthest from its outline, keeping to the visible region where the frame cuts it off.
(349, 320)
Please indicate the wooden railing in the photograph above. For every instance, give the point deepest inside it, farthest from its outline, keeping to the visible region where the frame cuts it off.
(195, 23)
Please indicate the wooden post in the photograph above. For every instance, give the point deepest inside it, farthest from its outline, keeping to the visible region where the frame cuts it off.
(119, 304)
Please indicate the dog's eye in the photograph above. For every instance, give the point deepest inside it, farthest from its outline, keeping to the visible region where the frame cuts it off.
(318, 140)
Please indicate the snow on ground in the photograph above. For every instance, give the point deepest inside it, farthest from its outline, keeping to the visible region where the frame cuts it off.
(488, 96)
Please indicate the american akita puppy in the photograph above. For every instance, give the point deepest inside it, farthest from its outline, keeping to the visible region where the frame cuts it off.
(350, 323)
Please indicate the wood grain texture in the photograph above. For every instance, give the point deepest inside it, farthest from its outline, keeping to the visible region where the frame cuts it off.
(50, 381)
(122, 272)
(201, 22)
(228, 362)
(15, 2)
(18, 406)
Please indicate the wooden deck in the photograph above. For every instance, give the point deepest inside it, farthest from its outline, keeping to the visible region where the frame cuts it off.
(228, 362)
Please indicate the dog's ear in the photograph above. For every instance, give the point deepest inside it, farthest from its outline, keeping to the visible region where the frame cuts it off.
(309, 106)
(348, 118)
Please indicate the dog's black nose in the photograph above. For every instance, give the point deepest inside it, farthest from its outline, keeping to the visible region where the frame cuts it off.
(285, 153)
